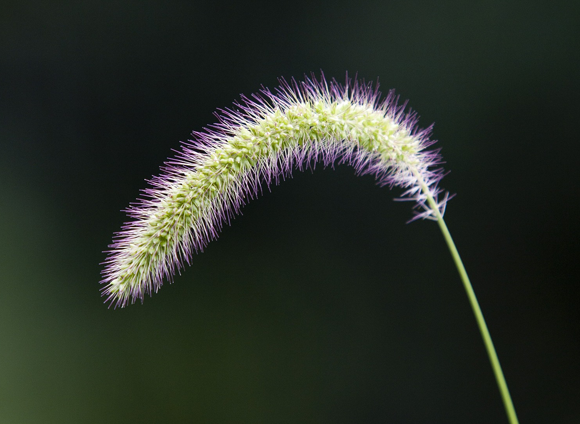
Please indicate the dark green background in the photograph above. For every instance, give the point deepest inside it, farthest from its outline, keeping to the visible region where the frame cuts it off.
(319, 305)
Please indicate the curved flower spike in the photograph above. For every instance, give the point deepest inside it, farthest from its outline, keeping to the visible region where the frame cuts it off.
(260, 141)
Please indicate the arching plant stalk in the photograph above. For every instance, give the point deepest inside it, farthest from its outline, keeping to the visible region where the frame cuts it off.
(259, 142)
(487, 341)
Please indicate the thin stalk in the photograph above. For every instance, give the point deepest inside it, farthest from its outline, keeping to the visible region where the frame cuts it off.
(495, 365)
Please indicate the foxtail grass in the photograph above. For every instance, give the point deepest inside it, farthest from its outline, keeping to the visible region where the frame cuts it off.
(260, 141)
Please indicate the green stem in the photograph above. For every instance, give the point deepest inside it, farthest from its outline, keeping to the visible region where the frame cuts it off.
(499, 377)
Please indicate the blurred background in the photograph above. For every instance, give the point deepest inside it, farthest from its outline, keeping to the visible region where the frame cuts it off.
(319, 304)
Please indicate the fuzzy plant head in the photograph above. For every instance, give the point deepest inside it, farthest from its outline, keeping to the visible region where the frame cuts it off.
(259, 142)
